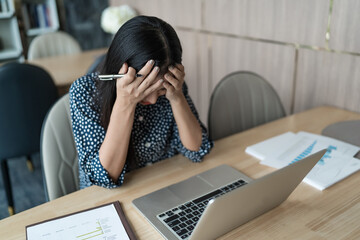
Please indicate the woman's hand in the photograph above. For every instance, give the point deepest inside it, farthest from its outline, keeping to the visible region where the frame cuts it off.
(174, 82)
(130, 89)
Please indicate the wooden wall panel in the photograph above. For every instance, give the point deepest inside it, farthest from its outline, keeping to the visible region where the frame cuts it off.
(344, 26)
(325, 78)
(272, 61)
(178, 13)
(141, 6)
(212, 33)
(196, 62)
(292, 21)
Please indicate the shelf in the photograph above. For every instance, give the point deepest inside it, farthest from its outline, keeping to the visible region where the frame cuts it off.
(10, 41)
(7, 9)
(38, 31)
(10, 53)
(6, 15)
(40, 17)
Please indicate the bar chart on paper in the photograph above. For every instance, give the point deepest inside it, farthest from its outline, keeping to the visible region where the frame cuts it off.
(337, 163)
(100, 223)
(89, 230)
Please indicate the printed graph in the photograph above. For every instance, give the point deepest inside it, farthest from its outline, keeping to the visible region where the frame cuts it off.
(307, 151)
(97, 232)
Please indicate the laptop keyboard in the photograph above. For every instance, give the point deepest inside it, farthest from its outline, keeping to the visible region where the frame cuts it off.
(181, 220)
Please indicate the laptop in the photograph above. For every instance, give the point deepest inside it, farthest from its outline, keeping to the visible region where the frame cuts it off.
(214, 202)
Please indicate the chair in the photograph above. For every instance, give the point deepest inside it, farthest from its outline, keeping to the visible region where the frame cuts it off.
(240, 101)
(58, 152)
(53, 44)
(26, 94)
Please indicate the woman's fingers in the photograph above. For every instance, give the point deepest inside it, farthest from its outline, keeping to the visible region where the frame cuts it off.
(129, 77)
(123, 69)
(144, 72)
(178, 71)
(149, 79)
(156, 86)
(147, 68)
(173, 81)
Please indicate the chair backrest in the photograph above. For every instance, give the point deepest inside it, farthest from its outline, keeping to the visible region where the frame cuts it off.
(240, 101)
(58, 152)
(26, 94)
(53, 44)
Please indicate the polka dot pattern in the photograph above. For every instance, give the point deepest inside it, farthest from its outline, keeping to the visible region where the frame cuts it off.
(154, 135)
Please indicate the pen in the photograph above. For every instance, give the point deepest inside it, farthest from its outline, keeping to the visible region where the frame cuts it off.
(113, 76)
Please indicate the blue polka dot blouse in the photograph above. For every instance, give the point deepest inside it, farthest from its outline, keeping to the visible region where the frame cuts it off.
(154, 136)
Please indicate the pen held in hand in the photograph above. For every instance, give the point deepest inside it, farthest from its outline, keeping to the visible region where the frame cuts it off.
(113, 76)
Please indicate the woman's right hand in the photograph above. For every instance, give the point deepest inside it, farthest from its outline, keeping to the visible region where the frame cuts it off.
(130, 89)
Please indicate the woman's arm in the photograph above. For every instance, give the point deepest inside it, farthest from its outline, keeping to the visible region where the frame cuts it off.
(189, 128)
(130, 90)
(113, 150)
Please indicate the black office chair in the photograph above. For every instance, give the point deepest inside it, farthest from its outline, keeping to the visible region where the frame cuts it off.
(26, 94)
(240, 101)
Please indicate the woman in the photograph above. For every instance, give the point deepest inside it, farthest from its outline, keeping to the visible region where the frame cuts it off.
(134, 121)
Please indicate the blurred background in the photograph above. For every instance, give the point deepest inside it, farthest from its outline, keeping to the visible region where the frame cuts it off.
(309, 51)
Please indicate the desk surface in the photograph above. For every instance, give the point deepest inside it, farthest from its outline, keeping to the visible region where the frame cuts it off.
(66, 69)
(307, 214)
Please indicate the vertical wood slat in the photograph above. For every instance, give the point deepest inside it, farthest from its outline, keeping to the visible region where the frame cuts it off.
(344, 26)
(178, 13)
(291, 21)
(325, 78)
(274, 62)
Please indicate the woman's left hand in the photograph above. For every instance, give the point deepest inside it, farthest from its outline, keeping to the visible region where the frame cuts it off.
(174, 82)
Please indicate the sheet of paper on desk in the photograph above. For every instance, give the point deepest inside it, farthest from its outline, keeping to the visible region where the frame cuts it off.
(337, 163)
(304, 144)
(98, 223)
(270, 146)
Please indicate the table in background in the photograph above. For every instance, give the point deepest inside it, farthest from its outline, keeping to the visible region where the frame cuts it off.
(65, 69)
(306, 214)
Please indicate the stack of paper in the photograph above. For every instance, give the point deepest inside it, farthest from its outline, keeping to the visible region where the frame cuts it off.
(287, 148)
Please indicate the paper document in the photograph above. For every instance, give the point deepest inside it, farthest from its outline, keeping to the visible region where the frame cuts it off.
(337, 163)
(98, 223)
(270, 146)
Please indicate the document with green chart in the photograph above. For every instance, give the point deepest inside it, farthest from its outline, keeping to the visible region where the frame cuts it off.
(103, 222)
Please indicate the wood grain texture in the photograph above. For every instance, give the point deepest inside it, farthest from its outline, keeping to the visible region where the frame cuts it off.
(306, 214)
(291, 21)
(344, 26)
(274, 62)
(325, 78)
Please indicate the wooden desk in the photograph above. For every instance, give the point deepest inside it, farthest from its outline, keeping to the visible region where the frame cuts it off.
(66, 69)
(306, 214)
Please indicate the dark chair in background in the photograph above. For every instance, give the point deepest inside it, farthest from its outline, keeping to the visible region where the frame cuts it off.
(240, 101)
(26, 94)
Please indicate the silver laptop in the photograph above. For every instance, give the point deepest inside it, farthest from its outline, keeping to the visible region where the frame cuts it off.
(214, 202)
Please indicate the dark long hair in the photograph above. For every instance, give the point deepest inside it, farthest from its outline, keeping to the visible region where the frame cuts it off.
(139, 40)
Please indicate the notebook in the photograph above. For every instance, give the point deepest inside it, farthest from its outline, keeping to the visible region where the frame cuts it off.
(206, 205)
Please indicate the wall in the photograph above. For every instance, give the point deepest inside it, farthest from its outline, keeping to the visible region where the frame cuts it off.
(308, 50)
